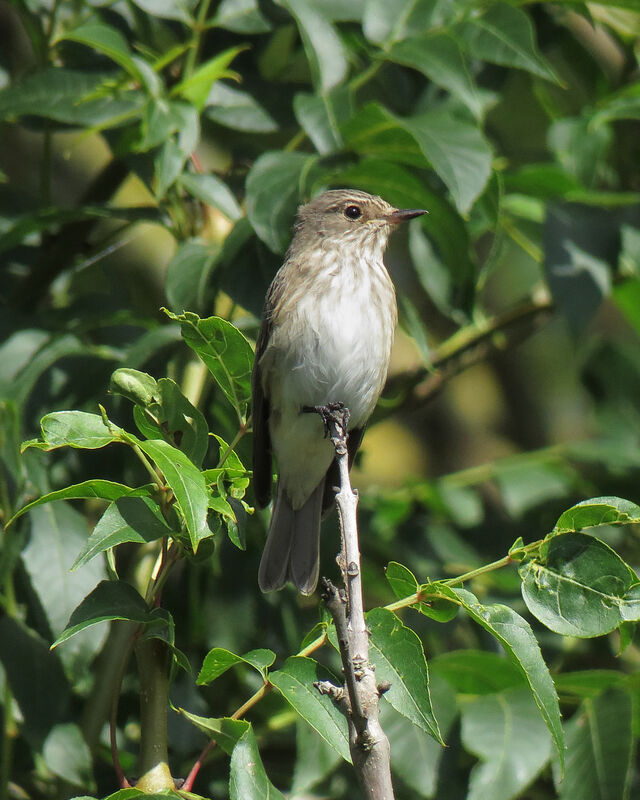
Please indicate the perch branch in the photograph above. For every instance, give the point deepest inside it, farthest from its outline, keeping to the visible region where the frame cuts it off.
(358, 699)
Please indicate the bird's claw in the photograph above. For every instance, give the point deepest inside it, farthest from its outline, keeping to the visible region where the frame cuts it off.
(336, 413)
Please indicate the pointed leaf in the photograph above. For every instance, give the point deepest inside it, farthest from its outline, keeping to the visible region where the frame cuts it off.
(325, 52)
(109, 600)
(187, 484)
(92, 489)
(214, 192)
(226, 353)
(128, 519)
(197, 86)
(600, 750)
(248, 779)
(107, 40)
(517, 639)
(505, 35)
(512, 742)
(396, 651)
(225, 730)
(295, 681)
(74, 429)
(219, 660)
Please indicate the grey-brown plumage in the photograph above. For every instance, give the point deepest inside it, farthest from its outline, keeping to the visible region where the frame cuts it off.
(326, 337)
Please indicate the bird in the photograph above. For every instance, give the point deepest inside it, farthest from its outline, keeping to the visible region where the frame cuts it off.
(325, 338)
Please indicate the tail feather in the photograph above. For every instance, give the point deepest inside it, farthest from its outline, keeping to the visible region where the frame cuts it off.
(292, 550)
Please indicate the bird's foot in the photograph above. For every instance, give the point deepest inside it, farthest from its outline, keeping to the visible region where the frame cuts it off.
(335, 418)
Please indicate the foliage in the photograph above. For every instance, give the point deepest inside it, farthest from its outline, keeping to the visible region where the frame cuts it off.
(516, 127)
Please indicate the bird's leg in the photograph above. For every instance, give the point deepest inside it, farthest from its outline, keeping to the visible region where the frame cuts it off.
(335, 418)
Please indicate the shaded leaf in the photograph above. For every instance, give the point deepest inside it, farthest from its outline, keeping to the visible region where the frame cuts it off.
(322, 115)
(108, 601)
(396, 652)
(248, 779)
(127, 519)
(512, 742)
(106, 40)
(599, 750)
(236, 109)
(504, 35)
(324, 49)
(274, 188)
(457, 151)
(438, 56)
(295, 680)
(214, 192)
(66, 754)
(517, 639)
(240, 16)
(188, 275)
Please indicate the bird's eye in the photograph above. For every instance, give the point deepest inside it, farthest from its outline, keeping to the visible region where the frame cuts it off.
(353, 212)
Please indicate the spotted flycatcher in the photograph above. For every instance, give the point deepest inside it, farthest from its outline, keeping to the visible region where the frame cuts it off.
(326, 337)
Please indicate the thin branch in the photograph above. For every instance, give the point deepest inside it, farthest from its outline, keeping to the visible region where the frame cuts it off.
(368, 743)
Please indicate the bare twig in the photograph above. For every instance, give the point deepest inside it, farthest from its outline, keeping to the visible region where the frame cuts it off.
(358, 699)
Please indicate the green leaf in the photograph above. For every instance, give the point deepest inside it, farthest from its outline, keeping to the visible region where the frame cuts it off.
(415, 756)
(579, 586)
(168, 9)
(315, 760)
(45, 219)
(240, 16)
(225, 731)
(139, 387)
(325, 52)
(457, 151)
(435, 602)
(403, 582)
(197, 86)
(598, 511)
(108, 601)
(219, 660)
(214, 192)
(274, 188)
(517, 639)
(238, 110)
(505, 35)
(385, 23)
(127, 519)
(396, 651)
(295, 680)
(167, 167)
(36, 679)
(248, 779)
(581, 147)
(321, 117)
(589, 683)
(71, 97)
(226, 353)
(92, 489)
(106, 40)
(186, 483)
(438, 56)
(374, 131)
(600, 750)
(188, 284)
(57, 533)
(66, 754)
(74, 429)
(477, 672)
(512, 742)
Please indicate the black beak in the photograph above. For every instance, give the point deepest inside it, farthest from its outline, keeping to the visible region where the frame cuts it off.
(405, 214)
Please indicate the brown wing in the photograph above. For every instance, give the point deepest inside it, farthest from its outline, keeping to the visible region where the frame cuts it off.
(262, 452)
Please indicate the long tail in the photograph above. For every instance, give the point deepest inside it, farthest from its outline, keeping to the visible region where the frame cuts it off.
(292, 550)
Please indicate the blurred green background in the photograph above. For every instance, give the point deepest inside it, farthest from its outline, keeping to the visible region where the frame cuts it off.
(153, 154)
